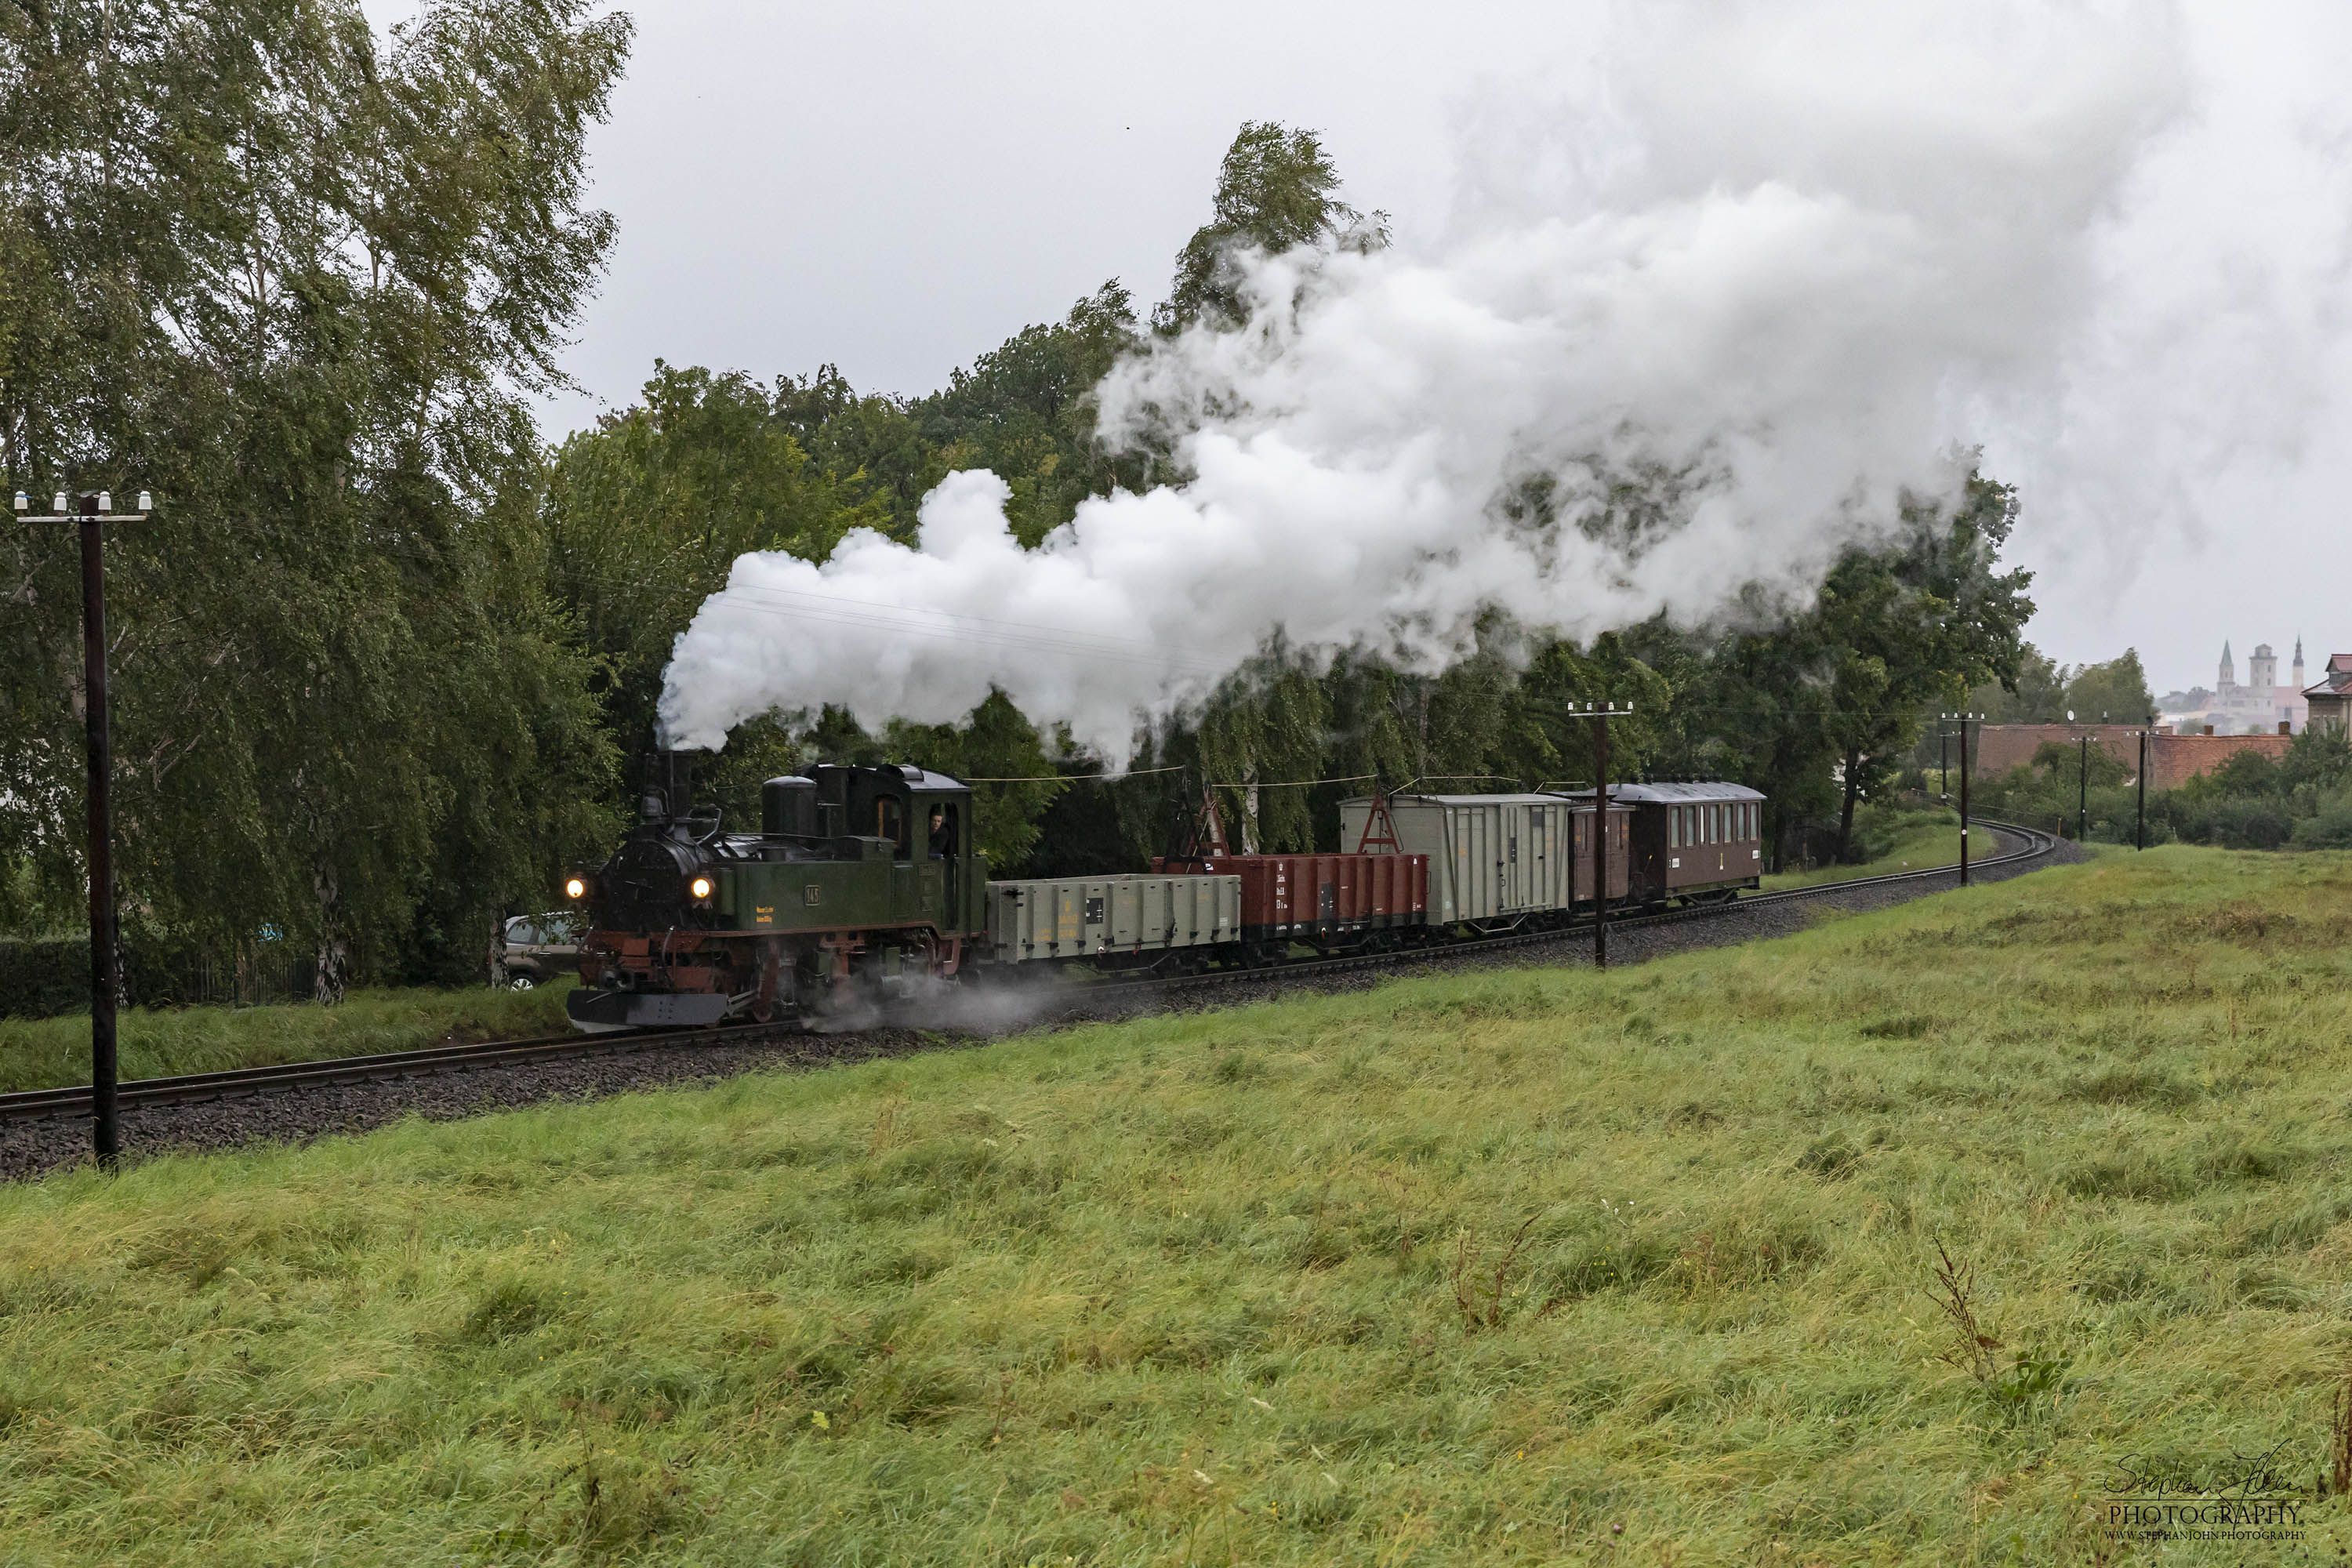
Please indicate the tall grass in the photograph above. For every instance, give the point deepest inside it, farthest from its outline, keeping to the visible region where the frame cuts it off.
(43, 1053)
(1520, 1266)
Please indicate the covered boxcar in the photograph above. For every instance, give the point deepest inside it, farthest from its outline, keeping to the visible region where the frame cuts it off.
(1496, 860)
(1696, 842)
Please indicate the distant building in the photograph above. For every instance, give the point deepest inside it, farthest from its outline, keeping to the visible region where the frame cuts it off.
(2257, 708)
(2329, 703)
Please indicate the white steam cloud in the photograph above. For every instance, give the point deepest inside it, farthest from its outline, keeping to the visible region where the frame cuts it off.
(1792, 254)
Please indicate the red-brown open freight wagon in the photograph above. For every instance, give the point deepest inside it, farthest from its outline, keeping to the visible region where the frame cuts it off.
(1324, 901)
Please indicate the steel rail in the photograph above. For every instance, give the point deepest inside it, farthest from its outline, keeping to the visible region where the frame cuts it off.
(236, 1083)
(244, 1083)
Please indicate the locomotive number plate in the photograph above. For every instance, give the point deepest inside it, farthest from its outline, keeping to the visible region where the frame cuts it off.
(812, 894)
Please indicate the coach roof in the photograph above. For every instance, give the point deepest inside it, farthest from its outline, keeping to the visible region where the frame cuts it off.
(1670, 794)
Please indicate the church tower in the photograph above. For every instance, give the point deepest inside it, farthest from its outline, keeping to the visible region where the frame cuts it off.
(2228, 669)
(2298, 661)
(2262, 669)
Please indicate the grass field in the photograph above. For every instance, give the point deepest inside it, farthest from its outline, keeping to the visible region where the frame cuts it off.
(43, 1053)
(1916, 841)
(1519, 1267)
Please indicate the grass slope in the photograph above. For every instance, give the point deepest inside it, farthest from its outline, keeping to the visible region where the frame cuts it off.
(1914, 840)
(44, 1053)
(1525, 1267)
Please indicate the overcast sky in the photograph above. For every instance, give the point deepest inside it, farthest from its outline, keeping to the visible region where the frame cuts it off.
(894, 187)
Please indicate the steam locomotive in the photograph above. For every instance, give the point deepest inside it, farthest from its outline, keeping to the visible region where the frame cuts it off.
(857, 877)
(863, 881)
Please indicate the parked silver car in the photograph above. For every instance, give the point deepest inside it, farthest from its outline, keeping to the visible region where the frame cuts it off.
(541, 947)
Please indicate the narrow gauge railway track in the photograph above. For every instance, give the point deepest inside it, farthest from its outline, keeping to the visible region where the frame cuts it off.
(45, 1104)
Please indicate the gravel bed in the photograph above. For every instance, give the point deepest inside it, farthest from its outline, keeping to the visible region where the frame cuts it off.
(32, 1148)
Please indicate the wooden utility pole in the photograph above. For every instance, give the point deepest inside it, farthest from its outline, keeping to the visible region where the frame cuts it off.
(1601, 713)
(90, 514)
(2139, 832)
(1964, 721)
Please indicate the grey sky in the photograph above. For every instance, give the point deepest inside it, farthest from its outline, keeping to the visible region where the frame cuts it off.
(896, 187)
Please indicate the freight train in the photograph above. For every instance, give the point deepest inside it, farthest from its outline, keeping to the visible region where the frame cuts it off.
(862, 882)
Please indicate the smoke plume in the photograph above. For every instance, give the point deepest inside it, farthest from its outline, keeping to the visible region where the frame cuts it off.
(1763, 268)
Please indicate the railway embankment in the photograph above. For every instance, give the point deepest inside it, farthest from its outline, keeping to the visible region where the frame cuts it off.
(1499, 1265)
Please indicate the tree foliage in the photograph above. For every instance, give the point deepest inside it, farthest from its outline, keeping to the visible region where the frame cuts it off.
(2044, 693)
(296, 282)
(1277, 191)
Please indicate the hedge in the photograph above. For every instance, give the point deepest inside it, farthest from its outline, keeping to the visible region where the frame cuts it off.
(41, 977)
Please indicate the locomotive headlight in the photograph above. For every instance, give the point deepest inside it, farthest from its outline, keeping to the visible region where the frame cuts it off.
(699, 888)
(576, 888)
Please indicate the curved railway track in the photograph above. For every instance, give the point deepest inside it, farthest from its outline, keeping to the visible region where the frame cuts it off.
(46, 1104)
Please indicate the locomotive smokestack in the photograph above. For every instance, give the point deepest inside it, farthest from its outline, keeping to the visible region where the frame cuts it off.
(669, 785)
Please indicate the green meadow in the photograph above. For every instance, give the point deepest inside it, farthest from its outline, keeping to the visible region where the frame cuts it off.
(1894, 840)
(156, 1042)
(1523, 1266)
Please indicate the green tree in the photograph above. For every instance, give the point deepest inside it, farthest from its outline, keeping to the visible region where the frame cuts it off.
(646, 516)
(866, 443)
(1025, 410)
(299, 284)
(2116, 690)
(1277, 190)
(2037, 695)
(1914, 624)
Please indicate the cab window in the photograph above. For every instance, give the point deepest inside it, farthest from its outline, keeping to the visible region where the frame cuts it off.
(890, 822)
(941, 839)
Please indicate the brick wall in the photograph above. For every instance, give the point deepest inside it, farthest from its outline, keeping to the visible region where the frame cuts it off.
(2176, 759)
(1997, 748)
(2172, 759)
